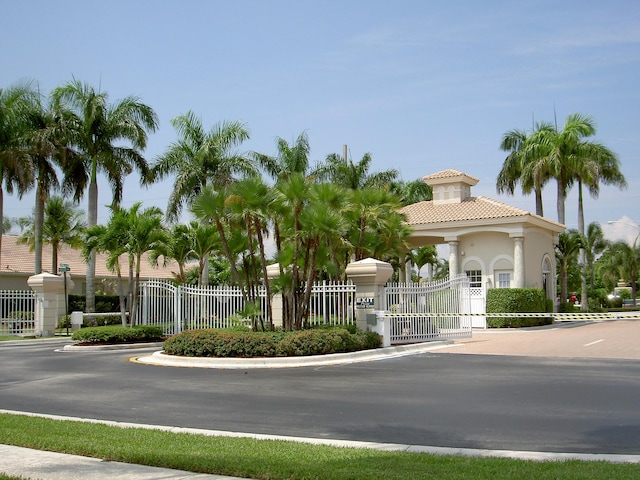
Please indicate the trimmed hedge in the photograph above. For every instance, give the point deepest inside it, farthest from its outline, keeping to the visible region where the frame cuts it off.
(115, 335)
(104, 303)
(520, 300)
(233, 343)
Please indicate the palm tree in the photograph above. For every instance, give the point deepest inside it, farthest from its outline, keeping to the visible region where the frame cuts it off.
(204, 241)
(15, 167)
(521, 165)
(594, 245)
(355, 175)
(111, 239)
(100, 128)
(290, 159)
(563, 153)
(199, 158)
(178, 247)
(48, 125)
(425, 255)
(145, 233)
(569, 244)
(63, 223)
(410, 192)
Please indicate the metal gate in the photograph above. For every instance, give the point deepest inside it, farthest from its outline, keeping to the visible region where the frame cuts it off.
(421, 312)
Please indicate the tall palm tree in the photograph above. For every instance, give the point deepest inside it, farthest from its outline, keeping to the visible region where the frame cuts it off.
(15, 167)
(521, 165)
(562, 153)
(110, 138)
(63, 223)
(48, 126)
(199, 158)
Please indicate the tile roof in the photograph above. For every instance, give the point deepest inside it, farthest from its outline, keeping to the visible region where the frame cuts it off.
(17, 258)
(472, 208)
(449, 173)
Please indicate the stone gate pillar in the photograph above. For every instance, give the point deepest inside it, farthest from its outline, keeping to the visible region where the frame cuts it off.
(50, 303)
(370, 276)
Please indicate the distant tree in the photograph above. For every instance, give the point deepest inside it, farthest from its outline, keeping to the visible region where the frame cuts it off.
(63, 224)
(622, 260)
(594, 245)
(179, 247)
(425, 255)
(354, 176)
(290, 159)
(412, 191)
(569, 243)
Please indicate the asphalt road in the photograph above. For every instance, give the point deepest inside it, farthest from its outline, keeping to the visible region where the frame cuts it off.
(436, 399)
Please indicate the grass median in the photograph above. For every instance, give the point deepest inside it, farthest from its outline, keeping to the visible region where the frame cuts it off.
(274, 460)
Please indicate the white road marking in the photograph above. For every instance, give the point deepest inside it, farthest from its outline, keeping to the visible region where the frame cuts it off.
(593, 343)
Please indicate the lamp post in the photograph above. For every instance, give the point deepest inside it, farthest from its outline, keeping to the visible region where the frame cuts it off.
(64, 268)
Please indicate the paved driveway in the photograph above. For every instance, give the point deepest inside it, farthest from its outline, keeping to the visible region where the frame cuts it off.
(619, 339)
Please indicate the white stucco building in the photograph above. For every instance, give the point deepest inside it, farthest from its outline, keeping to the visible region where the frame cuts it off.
(495, 244)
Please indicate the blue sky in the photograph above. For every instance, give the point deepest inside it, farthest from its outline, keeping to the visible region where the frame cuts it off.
(422, 85)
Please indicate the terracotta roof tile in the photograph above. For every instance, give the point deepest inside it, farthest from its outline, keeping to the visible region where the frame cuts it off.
(18, 258)
(472, 208)
(449, 173)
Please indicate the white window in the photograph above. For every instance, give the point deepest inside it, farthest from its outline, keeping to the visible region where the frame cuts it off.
(475, 278)
(504, 279)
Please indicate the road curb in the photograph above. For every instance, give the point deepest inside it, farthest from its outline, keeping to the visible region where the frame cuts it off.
(162, 359)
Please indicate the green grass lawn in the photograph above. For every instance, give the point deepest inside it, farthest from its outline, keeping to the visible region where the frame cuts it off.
(279, 460)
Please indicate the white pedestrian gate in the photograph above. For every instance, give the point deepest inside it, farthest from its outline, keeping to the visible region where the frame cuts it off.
(17, 312)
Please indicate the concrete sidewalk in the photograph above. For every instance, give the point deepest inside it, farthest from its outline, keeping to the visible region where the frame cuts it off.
(37, 464)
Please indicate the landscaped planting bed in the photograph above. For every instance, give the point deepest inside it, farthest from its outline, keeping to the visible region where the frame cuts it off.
(246, 344)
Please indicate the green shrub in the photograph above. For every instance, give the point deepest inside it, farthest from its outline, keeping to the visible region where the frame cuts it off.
(516, 300)
(614, 302)
(104, 303)
(233, 343)
(566, 307)
(114, 335)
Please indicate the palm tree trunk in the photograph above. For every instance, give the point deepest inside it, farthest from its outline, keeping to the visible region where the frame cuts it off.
(584, 294)
(55, 246)
(539, 207)
(38, 222)
(92, 219)
(560, 203)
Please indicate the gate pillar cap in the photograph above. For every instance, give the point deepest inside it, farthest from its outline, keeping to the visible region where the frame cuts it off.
(369, 271)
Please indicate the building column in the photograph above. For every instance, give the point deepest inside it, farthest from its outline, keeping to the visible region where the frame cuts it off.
(518, 262)
(453, 259)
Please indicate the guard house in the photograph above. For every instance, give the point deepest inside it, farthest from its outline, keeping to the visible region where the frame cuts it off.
(495, 244)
